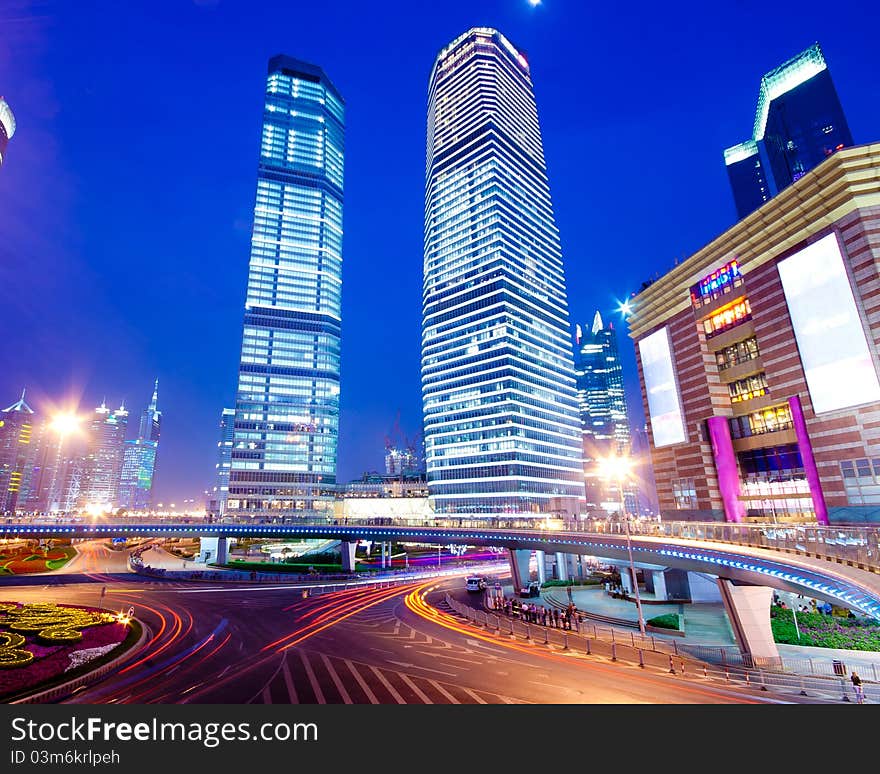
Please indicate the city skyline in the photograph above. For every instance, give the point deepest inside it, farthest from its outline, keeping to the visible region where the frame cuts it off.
(194, 337)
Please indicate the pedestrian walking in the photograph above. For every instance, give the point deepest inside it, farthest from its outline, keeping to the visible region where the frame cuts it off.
(543, 615)
(857, 687)
(555, 618)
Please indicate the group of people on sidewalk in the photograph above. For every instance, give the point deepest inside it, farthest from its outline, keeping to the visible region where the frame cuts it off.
(532, 613)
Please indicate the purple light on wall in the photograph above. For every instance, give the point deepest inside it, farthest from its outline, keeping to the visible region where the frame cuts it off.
(725, 465)
(806, 450)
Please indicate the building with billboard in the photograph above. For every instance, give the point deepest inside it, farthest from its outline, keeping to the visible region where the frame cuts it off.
(758, 358)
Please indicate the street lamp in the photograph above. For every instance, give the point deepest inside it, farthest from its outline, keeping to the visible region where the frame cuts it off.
(619, 468)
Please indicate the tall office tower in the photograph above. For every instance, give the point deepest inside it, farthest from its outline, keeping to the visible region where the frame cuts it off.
(502, 434)
(798, 124)
(603, 413)
(16, 429)
(7, 127)
(220, 489)
(287, 404)
(99, 483)
(139, 459)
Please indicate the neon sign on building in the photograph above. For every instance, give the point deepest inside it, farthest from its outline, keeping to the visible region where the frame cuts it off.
(716, 284)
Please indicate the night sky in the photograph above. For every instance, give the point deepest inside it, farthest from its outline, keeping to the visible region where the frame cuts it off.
(127, 193)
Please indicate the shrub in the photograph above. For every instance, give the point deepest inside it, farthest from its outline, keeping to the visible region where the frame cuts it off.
(667, 621)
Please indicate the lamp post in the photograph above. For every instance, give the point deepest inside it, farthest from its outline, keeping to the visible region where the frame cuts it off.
(618, 468)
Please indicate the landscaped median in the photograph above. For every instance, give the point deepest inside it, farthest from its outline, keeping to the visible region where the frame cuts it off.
(29, 558)
(44, 644)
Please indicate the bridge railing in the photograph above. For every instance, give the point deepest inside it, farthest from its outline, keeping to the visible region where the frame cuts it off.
(855, 545)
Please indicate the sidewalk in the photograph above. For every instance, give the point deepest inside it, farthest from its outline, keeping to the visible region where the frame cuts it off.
(706, 624)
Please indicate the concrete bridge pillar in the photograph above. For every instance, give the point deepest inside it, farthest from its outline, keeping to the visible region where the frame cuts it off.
(659, 584)
(519, 567)
(347, 551)
(626, 579)
(748, 608)
(561, 566)
(542, 566)
(213, 550)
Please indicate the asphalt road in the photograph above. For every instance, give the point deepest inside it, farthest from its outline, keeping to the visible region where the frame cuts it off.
(267, 644)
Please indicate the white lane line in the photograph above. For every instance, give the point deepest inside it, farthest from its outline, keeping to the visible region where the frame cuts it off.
(469, 692)
(440, 689)
(418, 691)
(397, 697)
(336, 681)
(360, 680)
(319, 694)
(288, 681)
(451, 658)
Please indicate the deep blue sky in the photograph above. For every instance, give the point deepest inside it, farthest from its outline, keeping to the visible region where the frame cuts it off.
(127, 194)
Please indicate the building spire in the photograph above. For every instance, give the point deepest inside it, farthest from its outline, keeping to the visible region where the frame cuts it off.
(597, 323)
(154, 403)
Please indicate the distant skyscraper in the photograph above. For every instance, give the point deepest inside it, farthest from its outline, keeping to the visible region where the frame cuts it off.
(7, 127)
(798, 124)
(502, 435)
(220, 490)
(287, 404)
(16, 429)
(603, 412)
(103, 464)
(139, 459)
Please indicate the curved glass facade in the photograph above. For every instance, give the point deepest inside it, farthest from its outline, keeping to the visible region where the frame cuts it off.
(502, 432)
(287, 406)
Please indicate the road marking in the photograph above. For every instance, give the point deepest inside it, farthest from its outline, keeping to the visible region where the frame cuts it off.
(440, 689)
(548, 685)
(336, 681)
(398, 698)
(319, 694)
(382, 650)
(469, 692)
(288, 680)
(360, 680)
(415, 688)
(407, 665)
(451, 658)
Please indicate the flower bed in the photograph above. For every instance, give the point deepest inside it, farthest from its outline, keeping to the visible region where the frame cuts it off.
(824, 631)
(39, 643)
(26, 559)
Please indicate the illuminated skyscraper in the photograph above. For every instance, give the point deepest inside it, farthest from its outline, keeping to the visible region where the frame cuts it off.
(7, 127)
(16, 429)
(603, 412)
(139, 459)
(287, 404)
(220, 490)
(502, 434)
(798, 124)
(99, 484)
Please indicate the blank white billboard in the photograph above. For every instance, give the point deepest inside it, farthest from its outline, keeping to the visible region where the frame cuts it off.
(834, 352)
(664, 402)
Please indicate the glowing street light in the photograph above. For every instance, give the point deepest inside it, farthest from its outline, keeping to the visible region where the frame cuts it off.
(625, 308)
(619, 469)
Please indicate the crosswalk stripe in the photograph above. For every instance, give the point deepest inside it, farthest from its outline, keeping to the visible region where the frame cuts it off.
(469, 692)
(336, 681)
(319, 694)
(397, 697)
(442, 690)
(418, 691)
(360, 680)
(288, 680)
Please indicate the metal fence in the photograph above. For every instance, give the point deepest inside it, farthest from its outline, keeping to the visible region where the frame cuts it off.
(718, 665)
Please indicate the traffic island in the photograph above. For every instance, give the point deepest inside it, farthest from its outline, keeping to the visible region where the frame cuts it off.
(46, 645)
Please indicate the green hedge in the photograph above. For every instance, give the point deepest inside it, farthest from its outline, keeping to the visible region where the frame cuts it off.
(667, 621)
(824, 631)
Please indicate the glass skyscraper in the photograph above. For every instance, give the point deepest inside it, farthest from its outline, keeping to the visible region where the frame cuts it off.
(287, 404)
(603, 412)
(139, 458)
(502, 434)
(99, 485)
(798, 124)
